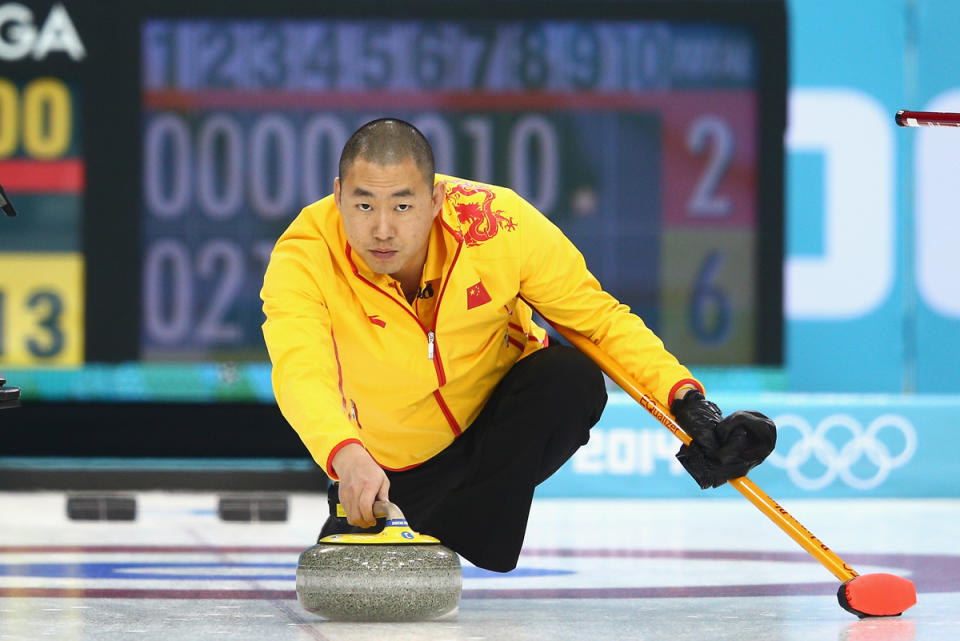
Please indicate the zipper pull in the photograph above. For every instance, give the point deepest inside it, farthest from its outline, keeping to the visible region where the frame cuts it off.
(506, 338)
(430, 340)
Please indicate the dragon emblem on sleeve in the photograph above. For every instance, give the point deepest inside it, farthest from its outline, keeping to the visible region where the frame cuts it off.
(474, 207)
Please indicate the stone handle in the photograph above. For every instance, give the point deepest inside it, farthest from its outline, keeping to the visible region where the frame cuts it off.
(386, 509)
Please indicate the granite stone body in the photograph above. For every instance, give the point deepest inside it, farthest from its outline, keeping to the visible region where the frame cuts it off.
(379, 582)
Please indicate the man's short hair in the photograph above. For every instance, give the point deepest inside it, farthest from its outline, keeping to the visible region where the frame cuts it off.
(388, 141)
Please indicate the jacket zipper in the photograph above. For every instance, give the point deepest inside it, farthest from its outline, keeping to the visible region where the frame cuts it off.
(432, 353)
(431, 334)
(431, 342)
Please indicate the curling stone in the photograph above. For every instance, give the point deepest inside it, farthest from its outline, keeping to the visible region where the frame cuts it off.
(253, 507)
(9, 396)
(91, 506)
(394, 575)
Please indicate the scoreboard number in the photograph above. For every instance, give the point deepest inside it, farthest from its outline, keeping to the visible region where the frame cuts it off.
(39, 118)
(713, 136)
(41, 309)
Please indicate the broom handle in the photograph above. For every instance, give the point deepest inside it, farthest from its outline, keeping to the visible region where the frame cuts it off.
(794, 529)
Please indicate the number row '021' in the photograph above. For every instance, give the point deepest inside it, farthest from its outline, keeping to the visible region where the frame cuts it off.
(188, 297)
(275, 166)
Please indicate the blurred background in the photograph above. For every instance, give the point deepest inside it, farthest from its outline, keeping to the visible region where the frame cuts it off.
(730, 169)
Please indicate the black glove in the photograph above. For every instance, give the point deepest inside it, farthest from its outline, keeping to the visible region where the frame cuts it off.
(722, 448)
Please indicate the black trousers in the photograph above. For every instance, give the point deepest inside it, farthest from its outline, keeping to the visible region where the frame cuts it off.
(475, 495)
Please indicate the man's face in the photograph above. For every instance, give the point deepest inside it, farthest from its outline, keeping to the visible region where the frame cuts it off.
(387, 212)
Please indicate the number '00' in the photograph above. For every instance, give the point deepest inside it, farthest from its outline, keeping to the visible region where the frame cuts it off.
(40, 118)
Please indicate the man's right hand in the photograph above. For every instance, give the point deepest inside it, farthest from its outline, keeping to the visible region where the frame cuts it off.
(722, 448)
(362, 482)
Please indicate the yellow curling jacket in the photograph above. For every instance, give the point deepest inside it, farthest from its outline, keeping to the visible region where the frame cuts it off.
(354, 362)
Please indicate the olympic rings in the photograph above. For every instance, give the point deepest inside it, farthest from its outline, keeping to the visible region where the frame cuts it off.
(814, 442)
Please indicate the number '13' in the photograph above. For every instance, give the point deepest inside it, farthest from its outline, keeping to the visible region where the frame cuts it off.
(50, 307)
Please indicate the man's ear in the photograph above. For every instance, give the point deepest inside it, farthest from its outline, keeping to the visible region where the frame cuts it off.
(336, 191)
(439, 191)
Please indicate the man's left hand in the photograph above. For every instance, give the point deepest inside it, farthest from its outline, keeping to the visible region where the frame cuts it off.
(722, 448)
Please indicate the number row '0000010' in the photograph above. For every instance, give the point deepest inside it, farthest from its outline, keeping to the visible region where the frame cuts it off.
(281, 162)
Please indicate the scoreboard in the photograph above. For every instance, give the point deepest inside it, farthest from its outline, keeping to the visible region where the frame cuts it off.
(42, 307)
(156, 166)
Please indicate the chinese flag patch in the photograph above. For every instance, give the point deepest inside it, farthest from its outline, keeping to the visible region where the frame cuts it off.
(477, 295)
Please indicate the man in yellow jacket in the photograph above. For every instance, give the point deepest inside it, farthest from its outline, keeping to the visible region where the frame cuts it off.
(399, 324)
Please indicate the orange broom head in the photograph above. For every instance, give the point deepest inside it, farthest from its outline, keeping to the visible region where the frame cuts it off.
(877, 595)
